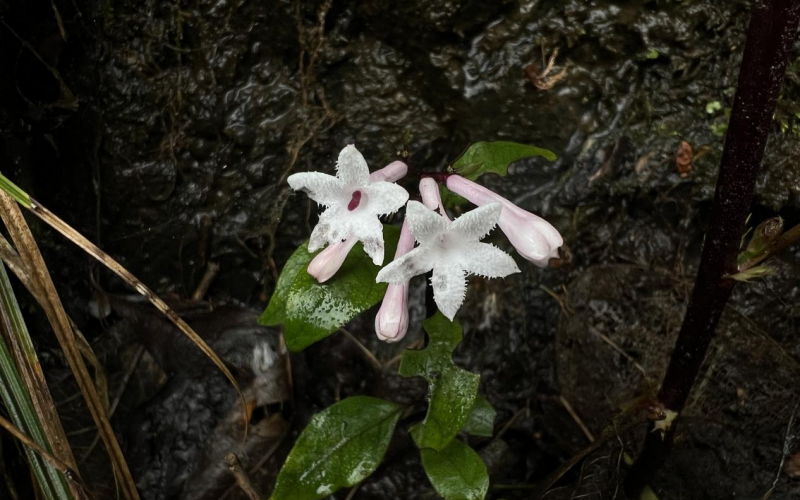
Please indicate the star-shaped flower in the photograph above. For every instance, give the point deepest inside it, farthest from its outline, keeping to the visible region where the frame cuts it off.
(452, 250)
(353, 201)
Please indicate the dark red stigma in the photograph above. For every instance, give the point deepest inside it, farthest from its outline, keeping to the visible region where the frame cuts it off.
(354, 201)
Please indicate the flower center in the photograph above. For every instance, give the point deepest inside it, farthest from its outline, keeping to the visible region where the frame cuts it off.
(354, 201)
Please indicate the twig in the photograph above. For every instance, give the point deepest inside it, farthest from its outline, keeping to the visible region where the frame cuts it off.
(242, 479)
(563, 303)
(353, 492)
(367, 353)
(125, 379)
(772, 30)
(784, 453)
(60, 466)
(511, 421)
(553, 478)
(264, 459)
(212, 268)
(576, 418)
(620, 350)
(69, 101)
(59, 21)
(414, 345)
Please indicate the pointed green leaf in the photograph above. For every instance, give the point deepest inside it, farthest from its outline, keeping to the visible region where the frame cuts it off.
(496, 156)
(451, 390)
(456, 472)
(311, 311)
(340, 447)
(481, 418)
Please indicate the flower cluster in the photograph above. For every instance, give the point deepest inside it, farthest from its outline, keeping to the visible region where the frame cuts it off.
(451, 250)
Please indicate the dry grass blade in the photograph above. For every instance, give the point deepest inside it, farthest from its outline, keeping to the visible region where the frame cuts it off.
(14, 262)
(15, 395)
(65, 229)
(32, 260)
(242, 479)
(22, 348)
(60, 466)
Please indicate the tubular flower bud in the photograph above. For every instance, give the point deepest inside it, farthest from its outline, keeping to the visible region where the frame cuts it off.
(328, 262)
(534, 238)
(429, 190)
(391, 323)
(392, 172)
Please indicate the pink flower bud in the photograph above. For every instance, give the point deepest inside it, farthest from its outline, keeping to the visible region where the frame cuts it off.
(392, 172)
(533, 237)
(328, 261)
(391, 322)
(429, 190)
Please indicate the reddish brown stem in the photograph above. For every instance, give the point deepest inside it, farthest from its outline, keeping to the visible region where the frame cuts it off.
(772, 30)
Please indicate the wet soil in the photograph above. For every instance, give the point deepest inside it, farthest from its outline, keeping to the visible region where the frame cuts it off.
(165, 130)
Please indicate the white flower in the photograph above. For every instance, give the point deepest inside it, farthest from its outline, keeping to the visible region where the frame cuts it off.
(452, 250)
(353, 201)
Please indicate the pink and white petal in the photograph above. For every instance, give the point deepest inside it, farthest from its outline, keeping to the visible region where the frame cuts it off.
(402, 269)
(425, 223)
(369, 230)
(477, 223)
(352, 168)
(487, 260)
(325, 189)
(385, 197)
(331, 228)
(449, 284)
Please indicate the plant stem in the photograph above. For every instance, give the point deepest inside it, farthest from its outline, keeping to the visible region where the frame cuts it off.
(772, 30)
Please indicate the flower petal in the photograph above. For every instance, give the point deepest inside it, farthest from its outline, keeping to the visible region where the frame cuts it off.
(369, 230)
(487, 260)
(352, 168)
(331, 228)
(385, 197)
(477, 223)
(402, 269)
(425, 224)
(449, 288)
(325, 189)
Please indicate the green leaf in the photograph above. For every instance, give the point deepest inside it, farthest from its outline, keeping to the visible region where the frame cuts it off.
(483, 157)
(753, 273)
(481, 418)
(456, 472)
(340, 447)
(311, 311)
(451, 390)
(15, 191)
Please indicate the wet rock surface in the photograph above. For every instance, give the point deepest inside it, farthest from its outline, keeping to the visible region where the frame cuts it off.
(165, 131)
